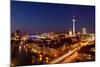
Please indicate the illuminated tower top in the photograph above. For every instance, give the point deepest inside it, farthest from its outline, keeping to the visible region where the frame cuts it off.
(73, 18)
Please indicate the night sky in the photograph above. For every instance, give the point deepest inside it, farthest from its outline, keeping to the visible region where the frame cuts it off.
(35, 17)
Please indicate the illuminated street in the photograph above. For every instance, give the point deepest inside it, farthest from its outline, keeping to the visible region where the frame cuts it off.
(70, 55)
(33, 52)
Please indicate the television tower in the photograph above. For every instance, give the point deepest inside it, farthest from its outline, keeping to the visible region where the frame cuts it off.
(73, 20)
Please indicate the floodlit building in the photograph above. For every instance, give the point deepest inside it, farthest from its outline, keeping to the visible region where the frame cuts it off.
(84, 31)
(70, 33)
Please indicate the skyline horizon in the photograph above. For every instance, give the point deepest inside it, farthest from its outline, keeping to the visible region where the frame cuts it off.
(67, 32)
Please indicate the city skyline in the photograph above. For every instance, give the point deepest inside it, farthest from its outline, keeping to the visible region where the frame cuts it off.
(35, 17)
(50, 33)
